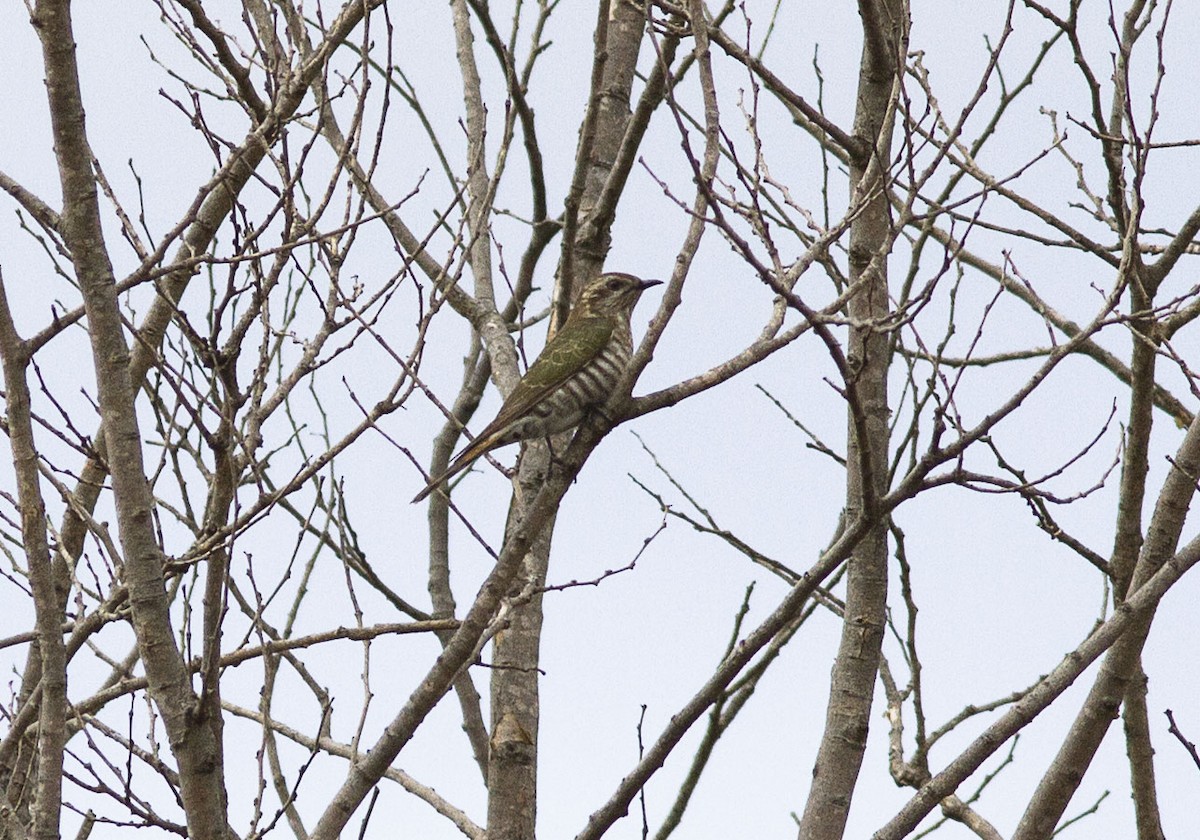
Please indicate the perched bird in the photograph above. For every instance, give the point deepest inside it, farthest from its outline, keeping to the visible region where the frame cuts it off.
(575, 372)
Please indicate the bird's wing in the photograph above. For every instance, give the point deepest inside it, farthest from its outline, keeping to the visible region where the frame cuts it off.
(572, 348)
(576, 344)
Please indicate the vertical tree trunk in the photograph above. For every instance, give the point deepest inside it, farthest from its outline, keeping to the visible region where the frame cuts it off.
(512, 769)
(1128, 542)
(47, 762)
(193, 741)
(839, 758)
(235, 173)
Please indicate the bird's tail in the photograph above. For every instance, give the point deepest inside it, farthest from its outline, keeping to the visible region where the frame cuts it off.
(465, 458)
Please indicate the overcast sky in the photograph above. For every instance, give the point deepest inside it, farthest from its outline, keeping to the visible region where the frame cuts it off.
(1000, 603)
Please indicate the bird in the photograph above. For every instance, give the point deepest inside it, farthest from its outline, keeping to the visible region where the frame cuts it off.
(574, 373)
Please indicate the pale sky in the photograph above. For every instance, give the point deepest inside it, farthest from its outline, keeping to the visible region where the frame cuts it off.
(999, 602)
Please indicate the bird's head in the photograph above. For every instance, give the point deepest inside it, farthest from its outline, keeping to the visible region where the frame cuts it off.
(611, 294)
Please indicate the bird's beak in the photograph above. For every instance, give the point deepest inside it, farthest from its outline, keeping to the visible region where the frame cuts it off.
(646, 284)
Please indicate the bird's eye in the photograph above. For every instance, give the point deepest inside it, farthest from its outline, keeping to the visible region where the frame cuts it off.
(614, 284)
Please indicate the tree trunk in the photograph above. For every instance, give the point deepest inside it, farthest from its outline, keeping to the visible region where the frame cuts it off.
(512, 770)
(839, 758)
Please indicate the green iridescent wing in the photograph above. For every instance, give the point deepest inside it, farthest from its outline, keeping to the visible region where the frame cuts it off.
(576, 344)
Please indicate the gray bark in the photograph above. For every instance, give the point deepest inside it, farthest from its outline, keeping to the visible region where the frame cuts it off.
(839, 758)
